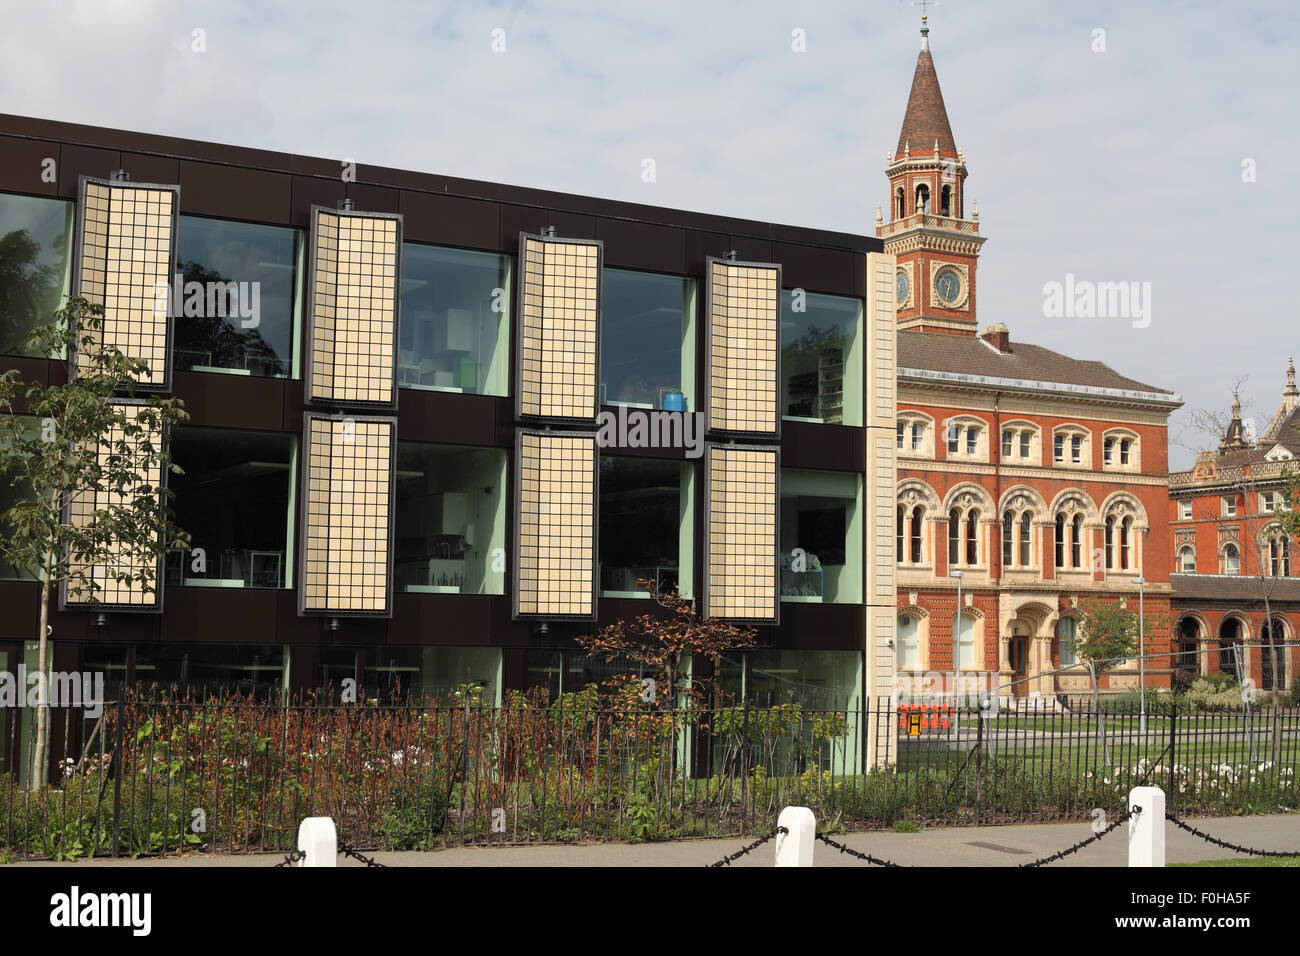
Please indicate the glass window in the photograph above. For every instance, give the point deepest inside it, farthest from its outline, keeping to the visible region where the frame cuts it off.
(821, 358)
(1024, 444)
(1185, 507)
(1229, 505)
(647, 340)
(1065, 642)
(816, 679)
(542, 670)
(821, 516)
(336, 664)
(954, 439)
(450, 523)
(35, 265)
(1058, 448)
(1025, 536)
(443, 670)
(236, 500)
(647, 519)
(901, 427)
(455, 329)
(1125, 447)
(1231, 560)
(1007, 438)
(208, 668)
(967, 641)
(1076, 448)
(236, 310)
(1108, 451)
(918, 435)
(972, 440)
(1187, 561)
(9, 495)
(909, 641)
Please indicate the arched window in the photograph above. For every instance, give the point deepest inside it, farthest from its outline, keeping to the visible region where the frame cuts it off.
(909, 641)
(945, 201)
(1187, 559)
(898, 556)
(1231, 560)
(1272, 655)
(1229, 641)
(1110, 543)
(916, 535)
(1279, 556)
(899, 212)
(972, 536)
(1059, 540)
(1025, 538)
(1076, 542)
(966, 641)
(954, 536)
(922, 198)
(1008, 538)
(1126, 544)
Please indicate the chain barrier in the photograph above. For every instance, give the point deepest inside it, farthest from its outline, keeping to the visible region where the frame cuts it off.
(292, 857)
(867, 857)
(1224, 843)
(1082, 843)
(347, 849)
(727, 860)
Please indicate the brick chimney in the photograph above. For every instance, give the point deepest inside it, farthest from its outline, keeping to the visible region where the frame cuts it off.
(997, 336)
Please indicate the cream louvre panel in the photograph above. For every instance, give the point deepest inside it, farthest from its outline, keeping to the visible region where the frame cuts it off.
(353, 308)
(740, 533)
(132, 580)
(881, 403)
(348, 487)
(126, 248)
(558, 309)
(743, 332)
(555, 537)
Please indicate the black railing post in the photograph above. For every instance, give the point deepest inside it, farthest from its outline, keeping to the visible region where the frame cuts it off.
(117, 769)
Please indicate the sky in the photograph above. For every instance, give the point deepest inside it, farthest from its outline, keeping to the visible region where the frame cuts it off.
(1153, 151)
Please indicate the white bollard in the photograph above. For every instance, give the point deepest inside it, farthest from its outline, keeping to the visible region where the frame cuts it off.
(1146, 830)
(319, 840)
(795, 848)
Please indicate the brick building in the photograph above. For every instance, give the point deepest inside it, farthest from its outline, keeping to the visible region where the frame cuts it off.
(1236, 595)
(1040, 478)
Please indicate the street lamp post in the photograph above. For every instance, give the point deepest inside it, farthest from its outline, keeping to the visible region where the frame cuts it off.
(1142, 660)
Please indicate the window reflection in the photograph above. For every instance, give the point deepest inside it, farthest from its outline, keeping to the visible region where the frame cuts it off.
(821, 358)
(647, 344)
(34, 237)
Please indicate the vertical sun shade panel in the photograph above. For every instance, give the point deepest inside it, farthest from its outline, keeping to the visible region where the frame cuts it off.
(556, 533)
(740, 533)
(559, 329)
(744, 337)
(126, 235)
(353, 308)
(348, 530)
(130, 579)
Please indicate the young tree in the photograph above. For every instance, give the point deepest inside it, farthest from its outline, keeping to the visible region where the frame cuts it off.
(80, 460)
(1107, 633)
(662, 644)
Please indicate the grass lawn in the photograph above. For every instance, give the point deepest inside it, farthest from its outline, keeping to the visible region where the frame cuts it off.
(1251, 861)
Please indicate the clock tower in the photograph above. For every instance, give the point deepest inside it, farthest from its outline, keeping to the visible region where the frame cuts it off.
(936, 246)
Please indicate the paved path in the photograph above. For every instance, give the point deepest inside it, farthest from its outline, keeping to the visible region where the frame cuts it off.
(952, 846)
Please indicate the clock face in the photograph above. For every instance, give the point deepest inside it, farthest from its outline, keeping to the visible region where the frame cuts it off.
(904, 287)
(947, 285)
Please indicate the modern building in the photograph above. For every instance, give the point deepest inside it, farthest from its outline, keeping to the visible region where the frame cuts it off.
(1037, 478)
(440, 427)
(1236, 597)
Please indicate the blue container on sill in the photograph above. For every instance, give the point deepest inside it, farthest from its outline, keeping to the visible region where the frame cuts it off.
(674, 402)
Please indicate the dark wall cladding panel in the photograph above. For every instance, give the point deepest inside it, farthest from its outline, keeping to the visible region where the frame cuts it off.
(370, 198)
(817, 627)
(228, 401)
(467, 616)
(77, 161)
(313, 167)
(21, 614)
(639, 245)
(219, 616)
(144, 168)
(701, 246)
(449, 418)
(234, 193)
(21, 166)
(292, 629)
(309, 191)
(451, 221)
(817, 270)
(826, 447)
(293, 402)
(517, 219)
(753, 249)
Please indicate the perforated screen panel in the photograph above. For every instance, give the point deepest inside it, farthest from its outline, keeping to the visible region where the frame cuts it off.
(741, 533)
(559, 326)
(744, 336)
(126, 250)
(131, 580)
(556, 537)
(347, 530)
(351, 354)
